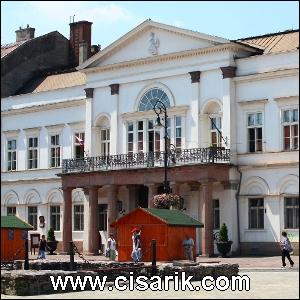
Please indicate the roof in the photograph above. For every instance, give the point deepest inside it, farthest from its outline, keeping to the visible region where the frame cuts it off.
(140, 28)
(54, 82)
(14, 222)
(8, 48)
(274, 42)
(173, 217)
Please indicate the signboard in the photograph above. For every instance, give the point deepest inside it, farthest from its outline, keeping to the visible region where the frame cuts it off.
(34, 242)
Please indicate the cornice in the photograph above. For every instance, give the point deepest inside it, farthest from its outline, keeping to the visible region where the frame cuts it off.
(267, 75)
(44, 107)
(167, 57)
(254, 101)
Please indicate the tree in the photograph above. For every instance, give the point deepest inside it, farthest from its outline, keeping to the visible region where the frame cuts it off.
(223, 234)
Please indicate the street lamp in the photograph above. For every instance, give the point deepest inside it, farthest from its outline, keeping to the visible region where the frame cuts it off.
(160, 108)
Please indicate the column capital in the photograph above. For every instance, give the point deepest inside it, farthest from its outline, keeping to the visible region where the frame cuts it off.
(194, 186)
(87, 189)
(195, 76)
(114, 89)
(89, 92)
(230, 185)
(228, 72)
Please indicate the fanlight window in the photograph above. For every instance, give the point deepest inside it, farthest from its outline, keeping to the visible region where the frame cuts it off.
(151, 97)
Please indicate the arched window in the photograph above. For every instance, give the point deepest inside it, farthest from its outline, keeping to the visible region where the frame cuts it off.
(151, 97)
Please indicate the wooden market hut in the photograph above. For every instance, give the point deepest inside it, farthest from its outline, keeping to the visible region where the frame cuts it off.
(167, 227)
(14, 231)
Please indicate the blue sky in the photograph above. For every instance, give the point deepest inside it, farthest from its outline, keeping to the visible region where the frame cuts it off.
(112, 19)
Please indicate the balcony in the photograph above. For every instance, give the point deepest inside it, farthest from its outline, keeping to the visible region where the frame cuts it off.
(212, 155)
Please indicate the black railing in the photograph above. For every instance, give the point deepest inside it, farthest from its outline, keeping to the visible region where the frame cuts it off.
(147, 160)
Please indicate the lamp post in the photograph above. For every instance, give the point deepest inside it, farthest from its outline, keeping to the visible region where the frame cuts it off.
(160, 108)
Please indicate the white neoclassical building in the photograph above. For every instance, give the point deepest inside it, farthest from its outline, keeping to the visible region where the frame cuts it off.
(81, 148)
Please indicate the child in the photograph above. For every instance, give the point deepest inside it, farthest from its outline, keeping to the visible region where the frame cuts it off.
(286, 249)
(42, 248)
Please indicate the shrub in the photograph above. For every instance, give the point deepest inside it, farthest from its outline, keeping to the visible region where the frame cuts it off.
(223, 235)
(51, 236)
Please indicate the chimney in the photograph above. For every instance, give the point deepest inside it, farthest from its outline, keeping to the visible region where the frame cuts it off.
(24, 34)
(80, 38)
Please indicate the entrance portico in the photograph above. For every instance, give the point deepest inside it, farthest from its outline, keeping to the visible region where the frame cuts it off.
(204, 176)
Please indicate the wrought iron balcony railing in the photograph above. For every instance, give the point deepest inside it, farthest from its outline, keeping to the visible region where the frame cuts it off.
(147, 160)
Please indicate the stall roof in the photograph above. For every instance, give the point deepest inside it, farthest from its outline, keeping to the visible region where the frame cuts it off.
(14, 222)
(174, 217)
(170, 217)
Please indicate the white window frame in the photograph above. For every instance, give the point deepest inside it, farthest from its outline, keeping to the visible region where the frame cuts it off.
(264, 205)
(11, 207)
(211, 130)
(283, 109)
(255, 126)
(284, 213)
(33, 214)
(81, 213)
(80, 132)
(58, 146)
(106, 142)
(58, 215)
(33, 148)
(7, 152)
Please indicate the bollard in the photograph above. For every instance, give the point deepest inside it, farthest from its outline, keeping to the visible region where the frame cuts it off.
(26, 262)
(71, 251)
(153, 257)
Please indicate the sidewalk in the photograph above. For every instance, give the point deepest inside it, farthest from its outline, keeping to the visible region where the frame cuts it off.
(245, 263)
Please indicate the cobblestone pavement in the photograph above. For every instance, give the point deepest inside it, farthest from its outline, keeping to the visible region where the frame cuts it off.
(263, 285)
(252, 262)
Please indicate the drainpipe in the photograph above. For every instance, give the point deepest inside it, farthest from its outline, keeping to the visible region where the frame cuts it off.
(237, 197)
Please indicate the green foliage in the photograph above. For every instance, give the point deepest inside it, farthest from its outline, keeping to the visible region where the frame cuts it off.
(223, 234)
(51, 236)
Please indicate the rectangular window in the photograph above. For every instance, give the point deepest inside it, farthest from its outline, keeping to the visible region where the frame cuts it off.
(79, 144)
(54, 151)
(291, 212)
(105, 141)
(140, 136)
(150, 136)
(178, 132)
(11, 211)
(32, 216)
(256, 213)
(290, 128)
(11, 155)
(78, 217)
(32, 153)
(255, 132)
(102, 217)
(55, 217)
(215, 131)
(216, 208)
(130, 137)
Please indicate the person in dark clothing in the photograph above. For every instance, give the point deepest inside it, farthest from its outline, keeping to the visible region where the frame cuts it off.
(286, 248)
(42, 248)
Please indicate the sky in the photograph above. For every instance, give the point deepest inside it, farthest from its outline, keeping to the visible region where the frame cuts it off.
(112, 19)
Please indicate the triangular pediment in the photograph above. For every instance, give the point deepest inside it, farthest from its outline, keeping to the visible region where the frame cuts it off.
(151, 39)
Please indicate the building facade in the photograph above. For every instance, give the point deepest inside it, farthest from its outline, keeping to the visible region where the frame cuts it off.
(81, 148)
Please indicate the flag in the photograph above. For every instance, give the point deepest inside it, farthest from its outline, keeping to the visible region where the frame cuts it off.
(79, 141)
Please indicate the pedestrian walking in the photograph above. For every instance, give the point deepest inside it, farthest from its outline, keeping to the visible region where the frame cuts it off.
(286, 249)
(112, 247)
(42, 248)
(188, 245)
(136, 245)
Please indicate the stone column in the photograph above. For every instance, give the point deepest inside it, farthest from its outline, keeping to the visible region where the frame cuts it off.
(229, 111)
(152, 191)
(114, 91)
(67, 220)
(93, 236)
(207, 219)
(88, 121)
(175, 186)
(112, 208)
(193, 114)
